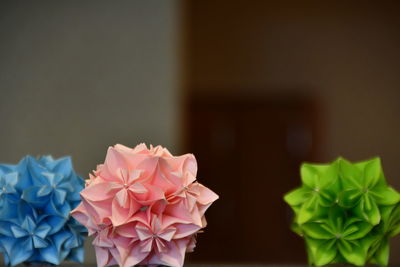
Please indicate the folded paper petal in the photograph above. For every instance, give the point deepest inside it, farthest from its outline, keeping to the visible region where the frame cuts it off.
(345, 211)
(149, 202)
(35, 213)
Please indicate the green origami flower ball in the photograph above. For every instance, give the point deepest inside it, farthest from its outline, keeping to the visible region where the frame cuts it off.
(346, 212)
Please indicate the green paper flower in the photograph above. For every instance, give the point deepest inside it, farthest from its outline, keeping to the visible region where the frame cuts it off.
(346, 212)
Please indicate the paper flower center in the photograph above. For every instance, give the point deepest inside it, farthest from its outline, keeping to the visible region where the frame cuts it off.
(338, 236)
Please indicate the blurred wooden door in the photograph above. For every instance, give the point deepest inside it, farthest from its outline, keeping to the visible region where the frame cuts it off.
(249, 151)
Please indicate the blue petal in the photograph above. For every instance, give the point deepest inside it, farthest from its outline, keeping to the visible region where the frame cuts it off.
(39, 243)
(36, 171)
(71, 242)
(56, 223)
(66, 185)
(24, 174)
(5, 228)
(30, 195)
(29, 224)
(46, 160)
(19, 254)
(50, 254)
(44, 191)
(59, 196)
(9, 210)
(63, 166)
(10, 189)
(50, 178)
(18, 232)
(11, 178)
(6, 168)
(60, 210)
(25, 209)
(60, 238)
(7, 243)
(77, 254)
(43, 230)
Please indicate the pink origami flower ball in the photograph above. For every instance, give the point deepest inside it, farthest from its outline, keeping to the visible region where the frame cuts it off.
(144, 206)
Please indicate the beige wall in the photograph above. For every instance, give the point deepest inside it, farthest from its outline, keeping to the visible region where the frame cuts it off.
(345, 53)
(78, 76)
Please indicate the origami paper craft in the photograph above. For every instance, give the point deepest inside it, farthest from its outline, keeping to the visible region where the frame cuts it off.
(36, 196)
(346, 212)
(144, 206)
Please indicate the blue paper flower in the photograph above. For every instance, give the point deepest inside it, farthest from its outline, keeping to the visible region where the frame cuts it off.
(36, 196)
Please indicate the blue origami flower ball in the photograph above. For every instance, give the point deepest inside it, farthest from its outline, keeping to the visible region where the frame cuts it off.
(36, 196)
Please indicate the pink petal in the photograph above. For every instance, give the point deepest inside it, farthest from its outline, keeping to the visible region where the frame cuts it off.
(143, 232)
(102, 256)
(119, 214)
(189, 179)
(135, 256)
(146, 245)
(179, 210)
(161, 247)
(116, 256)
(138, 188)
(161, 181)
(196, 216)
(175, 254)
(206, 195)
(99, 210)
(185, 230)
(97, 192)
(102, 241)
(79, 214)
(122, 198)
(141, 217)
(127, 230)
(151, 195)
(114, 161)
(155, 224)
(133, 175)
(167, 234)
(192, 244)
(168, 221)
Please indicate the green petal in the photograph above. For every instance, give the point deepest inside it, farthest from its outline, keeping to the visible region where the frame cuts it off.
(328, 175)
(296, 228)
(327, 197)
(308, 210)
(316, 231)
(362, 229)
(351, 175)
(336, 218)
(393, 224)
(308, 175)
(372, 172)
(349, 198)
(385, 195)
(381, 256)
(353, 252)
(297, 196)
(323, 252)
(368, 210)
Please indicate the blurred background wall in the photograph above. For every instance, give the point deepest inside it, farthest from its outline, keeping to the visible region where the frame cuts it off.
(343, 56)
(76, 77)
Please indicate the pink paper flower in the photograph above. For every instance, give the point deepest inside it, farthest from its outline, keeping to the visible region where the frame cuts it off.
(143, 206)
